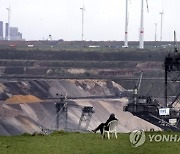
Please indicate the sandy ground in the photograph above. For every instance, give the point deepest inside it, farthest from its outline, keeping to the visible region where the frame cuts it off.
(20, 118)
(17, 116)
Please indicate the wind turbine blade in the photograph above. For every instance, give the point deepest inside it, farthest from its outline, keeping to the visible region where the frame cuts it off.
(84, 9)
(147, 5)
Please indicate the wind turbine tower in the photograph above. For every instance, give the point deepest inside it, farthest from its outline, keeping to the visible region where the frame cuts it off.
(82, 35)
(161, 13)
(126, 27)
(155, 35)
(141, 32)
(9, 13)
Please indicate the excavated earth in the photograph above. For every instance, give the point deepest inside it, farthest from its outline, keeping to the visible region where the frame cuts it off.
(30, 80)
(29, 106)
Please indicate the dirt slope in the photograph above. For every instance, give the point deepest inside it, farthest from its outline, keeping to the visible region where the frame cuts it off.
(18, 117)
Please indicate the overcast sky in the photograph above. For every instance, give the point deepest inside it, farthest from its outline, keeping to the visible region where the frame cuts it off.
(104, 19)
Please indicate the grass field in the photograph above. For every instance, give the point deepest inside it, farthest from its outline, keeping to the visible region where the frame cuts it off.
(82, 143)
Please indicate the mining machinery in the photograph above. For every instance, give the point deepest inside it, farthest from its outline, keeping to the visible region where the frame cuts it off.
(62, 114)
(166, 115)
(140, 104)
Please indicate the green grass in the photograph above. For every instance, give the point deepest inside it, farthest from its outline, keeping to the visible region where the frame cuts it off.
(81, 143)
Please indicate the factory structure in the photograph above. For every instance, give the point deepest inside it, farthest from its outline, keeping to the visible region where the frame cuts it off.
(15, 35)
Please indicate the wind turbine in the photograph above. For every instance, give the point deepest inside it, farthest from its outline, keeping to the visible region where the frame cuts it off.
(155, 34)
(161, 13)
(82, 35)
(141, 35)
(126, 27)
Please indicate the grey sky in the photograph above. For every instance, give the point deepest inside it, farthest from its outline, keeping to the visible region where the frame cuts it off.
(104, 19)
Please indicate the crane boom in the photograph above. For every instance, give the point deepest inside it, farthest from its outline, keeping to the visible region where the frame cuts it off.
(138, 84)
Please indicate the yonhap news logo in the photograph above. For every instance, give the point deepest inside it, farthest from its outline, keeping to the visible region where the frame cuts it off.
(138, 138)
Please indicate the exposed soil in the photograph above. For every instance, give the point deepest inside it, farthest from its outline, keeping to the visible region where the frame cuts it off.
(23, 99)
(18, 114)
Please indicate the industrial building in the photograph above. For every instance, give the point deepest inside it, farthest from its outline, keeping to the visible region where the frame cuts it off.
(15, 35)
(6, 31)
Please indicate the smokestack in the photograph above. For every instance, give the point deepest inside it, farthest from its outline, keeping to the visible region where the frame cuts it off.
(6, 31)
(1, 30)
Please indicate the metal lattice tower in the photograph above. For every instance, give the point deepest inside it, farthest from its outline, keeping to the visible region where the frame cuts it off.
(172, 78)
(61, 113)
(85, 119)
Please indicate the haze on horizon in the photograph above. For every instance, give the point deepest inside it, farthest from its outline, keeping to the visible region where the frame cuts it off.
(104, 19)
